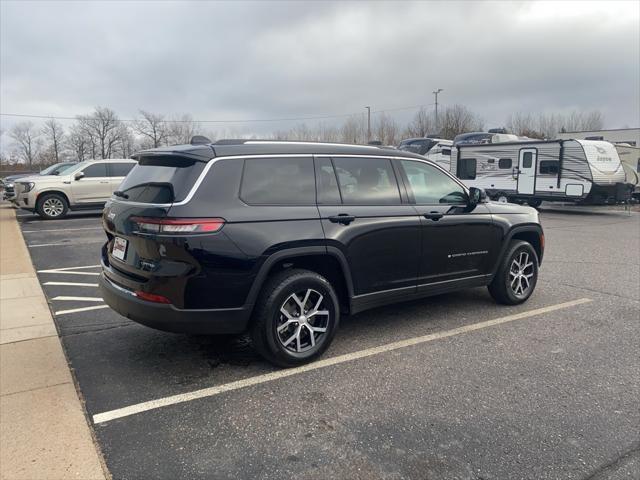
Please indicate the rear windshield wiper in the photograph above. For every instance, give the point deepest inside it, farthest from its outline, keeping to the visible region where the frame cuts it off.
(118, 193)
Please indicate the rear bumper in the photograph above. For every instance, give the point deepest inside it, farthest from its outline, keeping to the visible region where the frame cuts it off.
(171, 319)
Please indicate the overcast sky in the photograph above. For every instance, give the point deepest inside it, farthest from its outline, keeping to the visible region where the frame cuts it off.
(262, 60)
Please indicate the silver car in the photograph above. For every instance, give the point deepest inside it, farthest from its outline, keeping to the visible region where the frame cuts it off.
(84, 185)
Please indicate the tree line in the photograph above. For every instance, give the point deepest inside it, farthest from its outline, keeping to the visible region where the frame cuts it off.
(102, 134)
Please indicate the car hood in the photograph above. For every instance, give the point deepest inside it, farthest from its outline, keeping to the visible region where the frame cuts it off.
(42, 179)
(506, 208)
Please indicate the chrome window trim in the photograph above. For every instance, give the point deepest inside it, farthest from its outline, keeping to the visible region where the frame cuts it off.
(202, 176)
(214, 160)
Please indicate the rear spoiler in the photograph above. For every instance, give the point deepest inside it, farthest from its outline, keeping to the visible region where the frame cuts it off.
(199, 153)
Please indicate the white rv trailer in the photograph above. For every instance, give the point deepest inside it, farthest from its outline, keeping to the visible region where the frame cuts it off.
(630, 158)
(533, 171)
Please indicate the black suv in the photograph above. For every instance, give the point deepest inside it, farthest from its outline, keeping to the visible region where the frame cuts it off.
(281, 238)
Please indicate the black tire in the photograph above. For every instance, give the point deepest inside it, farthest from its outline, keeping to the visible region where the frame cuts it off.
(501, 197)
(508, 274)
(534, 202)
(52, 206)
(277, 293)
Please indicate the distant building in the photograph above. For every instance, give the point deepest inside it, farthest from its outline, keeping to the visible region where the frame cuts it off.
(630, 136)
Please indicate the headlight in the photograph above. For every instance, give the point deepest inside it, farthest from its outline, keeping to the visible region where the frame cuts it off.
(10, 184)
(28, 186)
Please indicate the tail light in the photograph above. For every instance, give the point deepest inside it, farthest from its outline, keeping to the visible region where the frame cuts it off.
(177, 225)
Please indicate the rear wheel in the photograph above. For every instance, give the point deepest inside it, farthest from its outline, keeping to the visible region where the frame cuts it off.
(296, 318)
(51, 206)
(501, 197)
(517, 275)
(534, 202)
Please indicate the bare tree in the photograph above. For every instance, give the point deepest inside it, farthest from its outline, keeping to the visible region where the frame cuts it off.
(421, 125)
(54, 132)
(354, 130)
(25, 137)
(180, 130)
(78, 142)
(153, 128)
(458, 119)
(385, 129)
(125, 144)
(102, 130)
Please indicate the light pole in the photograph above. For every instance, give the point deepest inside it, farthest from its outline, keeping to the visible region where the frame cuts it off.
(436, 94)
(368, 124)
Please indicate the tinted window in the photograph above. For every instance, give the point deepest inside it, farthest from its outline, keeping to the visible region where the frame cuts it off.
(120, 169)
(327, 183)
(367, 181)
(431, 185)
(505, 163)
(161, 179)
(467, 168)
(446, 151)
(95, 170)
(549, 167)
(278, 181)
(527, 160)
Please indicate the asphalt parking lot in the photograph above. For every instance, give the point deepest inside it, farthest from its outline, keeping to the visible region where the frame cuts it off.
(453, 386)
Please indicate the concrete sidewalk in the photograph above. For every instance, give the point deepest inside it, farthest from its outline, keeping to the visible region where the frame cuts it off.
(43, 429)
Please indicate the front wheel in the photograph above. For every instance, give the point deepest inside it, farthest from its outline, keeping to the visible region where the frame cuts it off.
(517, 275)
(52, 206)
(296, 318)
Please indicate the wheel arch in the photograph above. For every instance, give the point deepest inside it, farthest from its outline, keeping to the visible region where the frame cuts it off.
(530, 233)
(48, 192)
(327, 261)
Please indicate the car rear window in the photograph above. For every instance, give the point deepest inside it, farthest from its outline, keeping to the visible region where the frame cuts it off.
(161, 179)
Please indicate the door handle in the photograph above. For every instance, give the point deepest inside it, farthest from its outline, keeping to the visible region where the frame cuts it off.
(435, 216)
(343, 218)
(104, 182)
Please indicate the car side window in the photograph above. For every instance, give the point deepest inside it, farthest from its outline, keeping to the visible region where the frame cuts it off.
(430, 185)
(95, 170)
(120, 169)
(367, 181)
(278, 181)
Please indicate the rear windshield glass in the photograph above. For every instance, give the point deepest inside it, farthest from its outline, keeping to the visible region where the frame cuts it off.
(163, 179)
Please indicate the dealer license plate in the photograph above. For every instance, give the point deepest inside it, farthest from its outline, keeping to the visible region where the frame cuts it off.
(119, 250)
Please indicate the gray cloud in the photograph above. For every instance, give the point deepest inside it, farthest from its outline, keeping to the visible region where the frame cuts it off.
(241, 60)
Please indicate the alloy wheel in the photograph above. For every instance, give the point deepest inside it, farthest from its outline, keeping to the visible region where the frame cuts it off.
(521, 273)
(53, 207)
(303, 321)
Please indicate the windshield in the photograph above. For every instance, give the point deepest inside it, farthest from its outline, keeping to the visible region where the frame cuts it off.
(72, 166)
(56, 169)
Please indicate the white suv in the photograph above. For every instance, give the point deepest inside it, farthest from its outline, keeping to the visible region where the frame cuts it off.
(84, 185)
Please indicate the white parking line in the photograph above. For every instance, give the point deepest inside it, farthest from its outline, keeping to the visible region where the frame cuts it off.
(62, 229)
(83, 309)
(77, 299)
(66, 269)
(68, 244)
(269, 377)
(72, 270)
(71, 284)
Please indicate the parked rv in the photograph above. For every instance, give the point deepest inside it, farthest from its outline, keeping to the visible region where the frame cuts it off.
(533, 171)
(437, 150)
(630, 158)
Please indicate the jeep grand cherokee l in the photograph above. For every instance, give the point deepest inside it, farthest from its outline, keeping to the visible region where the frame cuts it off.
(281, 238)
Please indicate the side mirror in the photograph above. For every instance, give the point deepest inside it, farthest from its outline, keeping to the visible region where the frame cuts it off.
(78, 175)
(476, 196)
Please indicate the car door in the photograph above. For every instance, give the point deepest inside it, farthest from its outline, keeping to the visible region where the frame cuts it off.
(117, 171)
(364, 216)
(91, 184)
(458, 242)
